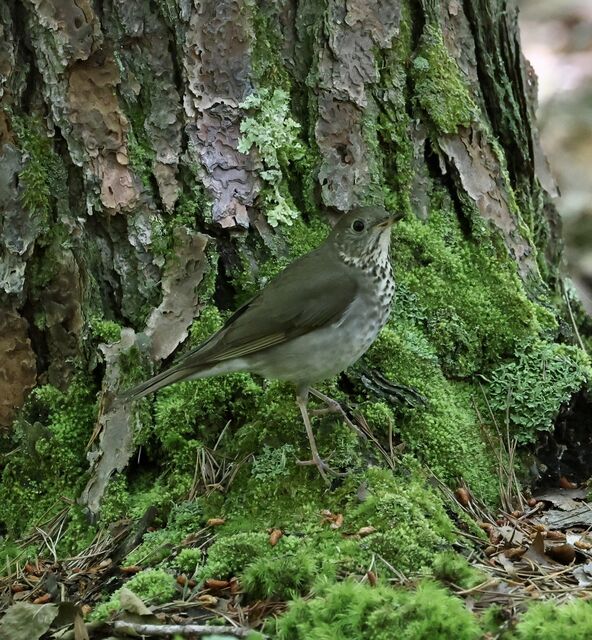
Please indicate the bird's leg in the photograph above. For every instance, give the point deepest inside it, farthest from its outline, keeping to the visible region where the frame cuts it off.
(334, 407)
(322, 466)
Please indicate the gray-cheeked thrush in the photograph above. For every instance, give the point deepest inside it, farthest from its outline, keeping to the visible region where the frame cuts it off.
(312, 321)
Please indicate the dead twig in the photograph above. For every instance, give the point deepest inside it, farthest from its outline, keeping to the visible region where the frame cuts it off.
(163, 630)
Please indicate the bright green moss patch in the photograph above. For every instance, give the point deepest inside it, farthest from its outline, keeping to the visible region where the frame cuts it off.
(460, 309)
(105, 330)
(152, 586)
(231, 554)
(281, 577)
(49, 460)
(532, 388)
(184, 519)
(450, 567)
(465, 294)
(408, 516)
(547, 621)
(439, 87)
(354, 611)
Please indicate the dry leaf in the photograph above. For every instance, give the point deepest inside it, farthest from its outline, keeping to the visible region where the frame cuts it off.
(80, 630)
(515, 553)
(372, 579)
(43, 599)
(366, 531)
(337, 521)
(563, 553)
(583, 574)
(463, 496)
(212, 583)
(555, 535)
(506, 563)
(25, 621)
(583, 545)
(274, 536)
(511, 535)
(215, 522)
(130, 570)
(564, 483)
(131, 603)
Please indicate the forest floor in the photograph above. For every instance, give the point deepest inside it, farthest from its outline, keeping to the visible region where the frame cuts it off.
(539, 551)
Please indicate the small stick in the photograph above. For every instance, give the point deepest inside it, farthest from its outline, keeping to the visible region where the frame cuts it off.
(160, 630)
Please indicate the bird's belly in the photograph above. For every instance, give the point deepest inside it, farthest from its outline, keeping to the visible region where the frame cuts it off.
(324, 352)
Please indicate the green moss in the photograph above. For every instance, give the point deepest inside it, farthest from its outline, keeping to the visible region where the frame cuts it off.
(281, 576)
(267, 64)
(409, 517)
(183, 519)
(105, 330)
(231, 554)
(188, 561)
(547, 621)
(355, 611)
(49, 459)
(532, 388)
(394, 124)
(43, 179)
(440, 90)
(450, 567)
(152, 586)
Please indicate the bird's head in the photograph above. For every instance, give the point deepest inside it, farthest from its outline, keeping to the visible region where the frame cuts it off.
(363, 234)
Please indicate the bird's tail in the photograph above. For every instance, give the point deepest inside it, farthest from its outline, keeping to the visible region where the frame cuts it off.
(170, 376)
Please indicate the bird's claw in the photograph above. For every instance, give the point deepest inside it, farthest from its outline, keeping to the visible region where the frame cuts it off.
(322, 466)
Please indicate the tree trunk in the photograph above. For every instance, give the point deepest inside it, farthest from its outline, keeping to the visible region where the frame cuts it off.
(159, 161)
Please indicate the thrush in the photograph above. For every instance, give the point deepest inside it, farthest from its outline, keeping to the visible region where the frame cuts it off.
(312, 321)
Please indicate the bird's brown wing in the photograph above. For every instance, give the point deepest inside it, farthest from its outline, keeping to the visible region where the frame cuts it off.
(307, 295)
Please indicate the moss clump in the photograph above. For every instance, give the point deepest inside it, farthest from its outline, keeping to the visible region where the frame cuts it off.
(531, 389)
(153, 586)
(158, 545)
(105, 330)
(452, 568)
(354, 611)
(231, 554)
(547, 621)
(440, 89)
(50, 440)
(409, 517)
(43, 179)
(459, 291)
(188, 561)
(283, 577)
(450, 322)
(274, 134)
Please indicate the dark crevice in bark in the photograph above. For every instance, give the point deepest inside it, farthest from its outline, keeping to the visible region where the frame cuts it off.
(418, 19)
(567, 450)
(450, 180)
(491, 76)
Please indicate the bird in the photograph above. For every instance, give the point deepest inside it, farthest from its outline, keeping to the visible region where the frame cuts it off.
(312, 321)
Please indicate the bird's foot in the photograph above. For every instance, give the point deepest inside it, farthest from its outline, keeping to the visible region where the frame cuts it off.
(322, 466)
(333, 407)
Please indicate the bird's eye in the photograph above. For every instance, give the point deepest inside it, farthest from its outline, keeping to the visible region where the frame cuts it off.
(358, 225)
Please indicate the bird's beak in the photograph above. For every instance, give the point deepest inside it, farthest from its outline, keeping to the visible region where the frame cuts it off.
(388, 222)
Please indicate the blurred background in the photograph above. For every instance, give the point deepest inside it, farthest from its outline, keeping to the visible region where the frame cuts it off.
(557, 39)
